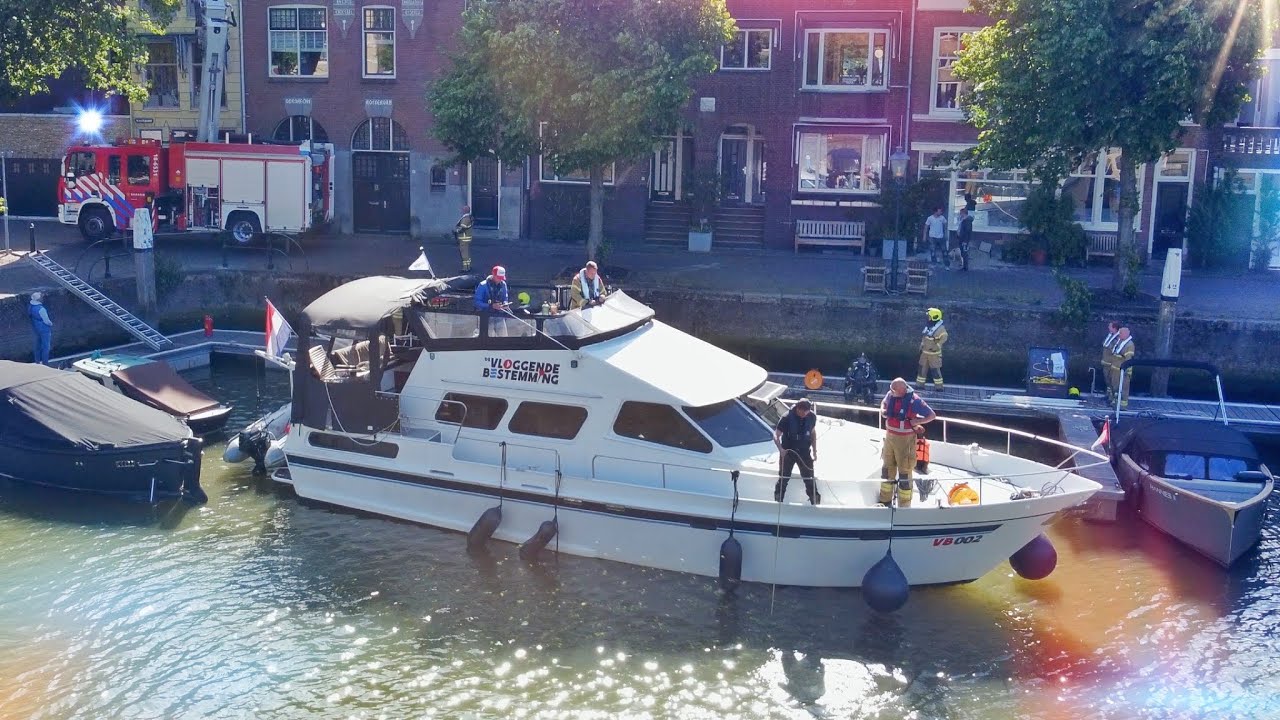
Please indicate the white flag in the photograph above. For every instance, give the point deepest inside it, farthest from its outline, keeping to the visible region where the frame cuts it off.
(278, 331)
(422, 263)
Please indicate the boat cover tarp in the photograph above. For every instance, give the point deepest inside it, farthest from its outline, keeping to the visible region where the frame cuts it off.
(356, 308)
(44, 408)
(1198, 437)
(158, 384)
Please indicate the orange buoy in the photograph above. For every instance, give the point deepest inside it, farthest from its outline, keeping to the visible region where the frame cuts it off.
(962, 494)
(813, 380)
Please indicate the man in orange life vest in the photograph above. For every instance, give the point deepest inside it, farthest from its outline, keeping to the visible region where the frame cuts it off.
(903, 413)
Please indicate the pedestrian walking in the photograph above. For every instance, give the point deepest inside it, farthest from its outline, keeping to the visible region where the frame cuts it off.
(931, 342)
(41, 327)
(462, 233)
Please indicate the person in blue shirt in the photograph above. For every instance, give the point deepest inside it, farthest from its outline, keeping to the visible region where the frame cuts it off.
(492, 293)
(41, 326)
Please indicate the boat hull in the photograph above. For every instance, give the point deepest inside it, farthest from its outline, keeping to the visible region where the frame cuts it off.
(789, 544)
(1221, 531)
(154, 473)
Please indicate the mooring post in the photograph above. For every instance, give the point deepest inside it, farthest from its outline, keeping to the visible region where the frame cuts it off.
(1169, 288)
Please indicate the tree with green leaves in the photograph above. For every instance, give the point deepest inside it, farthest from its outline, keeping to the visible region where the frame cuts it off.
(584, 83)
(42, 39)
(1052, 81)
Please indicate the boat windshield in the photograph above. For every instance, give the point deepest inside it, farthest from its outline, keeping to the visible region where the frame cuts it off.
(766, 402)
(1193, 467)
(730, 423)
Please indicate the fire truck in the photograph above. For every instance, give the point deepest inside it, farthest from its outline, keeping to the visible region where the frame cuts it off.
(241, 188)
(204, 186)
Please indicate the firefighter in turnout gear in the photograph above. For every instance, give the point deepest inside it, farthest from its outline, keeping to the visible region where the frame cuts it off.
(931, 341)
(462, 233)
(1121, 351)
(904, 413)
(1108, 344)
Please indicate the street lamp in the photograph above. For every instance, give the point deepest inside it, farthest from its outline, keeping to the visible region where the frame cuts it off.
(898, 168)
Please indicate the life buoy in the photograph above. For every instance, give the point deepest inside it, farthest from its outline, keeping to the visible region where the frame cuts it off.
(813, 380)
(962, 494)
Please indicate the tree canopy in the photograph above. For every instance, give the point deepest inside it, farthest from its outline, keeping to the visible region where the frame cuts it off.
(1051, 81)
(584, 83)
(42, 39)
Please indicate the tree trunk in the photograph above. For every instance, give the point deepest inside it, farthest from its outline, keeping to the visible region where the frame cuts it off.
(1126, 245)
(596, 235)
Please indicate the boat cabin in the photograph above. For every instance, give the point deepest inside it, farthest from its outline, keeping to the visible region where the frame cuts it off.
(1211, 459)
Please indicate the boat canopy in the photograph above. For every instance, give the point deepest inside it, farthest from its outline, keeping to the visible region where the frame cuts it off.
(44, 408)
(1197, 437)
(663, 358)
(357, 308)
(160, 385)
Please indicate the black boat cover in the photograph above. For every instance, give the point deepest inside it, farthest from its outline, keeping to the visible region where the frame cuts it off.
(354, 310)
(44, 408)
(1200, 437)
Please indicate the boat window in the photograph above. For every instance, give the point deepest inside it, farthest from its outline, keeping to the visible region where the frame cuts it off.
(445, 325)
(1225, 468)
(471, 411)
(1183, 466)
(548, 420)
(730, 424)
(347, 444)
(659, 424)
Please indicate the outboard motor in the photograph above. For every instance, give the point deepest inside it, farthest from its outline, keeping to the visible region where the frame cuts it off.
(255, 444)
(860, 381)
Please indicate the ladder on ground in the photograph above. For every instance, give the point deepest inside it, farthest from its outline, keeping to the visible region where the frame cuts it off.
(105, 305)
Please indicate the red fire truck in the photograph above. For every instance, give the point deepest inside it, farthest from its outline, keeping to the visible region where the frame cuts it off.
(243, 189)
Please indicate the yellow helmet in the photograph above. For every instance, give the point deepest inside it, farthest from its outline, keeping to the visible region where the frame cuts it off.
(935, 314)
(1074, 392)
(523, 298)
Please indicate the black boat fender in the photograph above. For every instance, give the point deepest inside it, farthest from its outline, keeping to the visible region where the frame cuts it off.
(1036, 559)
(534, 545)
(191, 490)
(885, 587)
(731, 549)
(484, 528)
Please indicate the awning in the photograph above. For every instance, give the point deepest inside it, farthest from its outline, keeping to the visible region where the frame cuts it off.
(355, 309)
(680, 368)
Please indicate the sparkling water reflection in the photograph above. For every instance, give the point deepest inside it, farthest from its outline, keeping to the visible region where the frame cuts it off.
(257, 605)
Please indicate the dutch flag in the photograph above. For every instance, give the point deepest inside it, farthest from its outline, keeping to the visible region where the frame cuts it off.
(278, 331)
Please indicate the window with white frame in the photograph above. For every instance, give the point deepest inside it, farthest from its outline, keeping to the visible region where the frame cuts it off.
(299, 41)
(749, 50)
(947, 88)
(994, 198)
(299, 128)
(547, 172)
(161, 73)
(379, 42)
(1094, 189)
(840, 162)
(846, 60)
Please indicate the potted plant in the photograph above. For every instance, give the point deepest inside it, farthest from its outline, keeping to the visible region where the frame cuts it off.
(702, 189)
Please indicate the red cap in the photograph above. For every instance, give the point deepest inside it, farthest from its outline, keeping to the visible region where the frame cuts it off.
(499, 273)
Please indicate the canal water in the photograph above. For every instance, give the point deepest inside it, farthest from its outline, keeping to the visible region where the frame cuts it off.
(259, 606)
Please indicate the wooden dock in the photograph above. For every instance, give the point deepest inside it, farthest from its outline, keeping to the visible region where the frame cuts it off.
(190, 349)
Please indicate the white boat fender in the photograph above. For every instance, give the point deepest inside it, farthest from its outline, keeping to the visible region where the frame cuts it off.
(534, 545)
(885, 587)
(1036, 559)
(731, 549)
(484, 528)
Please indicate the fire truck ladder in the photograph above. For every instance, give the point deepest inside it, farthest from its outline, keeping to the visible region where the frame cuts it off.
(102, 303)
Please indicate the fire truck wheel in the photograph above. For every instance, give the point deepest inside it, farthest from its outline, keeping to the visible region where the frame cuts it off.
(96, 224)
(243, 226)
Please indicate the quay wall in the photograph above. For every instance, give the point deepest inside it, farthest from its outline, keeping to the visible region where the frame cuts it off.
(784, 332)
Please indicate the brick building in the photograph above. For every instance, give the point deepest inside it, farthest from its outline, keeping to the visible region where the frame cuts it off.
(355, 73)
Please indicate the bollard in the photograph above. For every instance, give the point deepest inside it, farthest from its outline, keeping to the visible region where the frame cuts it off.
(32, 228)
(208, 326)
(106, 259)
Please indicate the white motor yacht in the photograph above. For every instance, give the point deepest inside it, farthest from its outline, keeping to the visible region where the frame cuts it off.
(606, 433)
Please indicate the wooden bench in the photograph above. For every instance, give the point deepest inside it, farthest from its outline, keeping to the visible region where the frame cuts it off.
(832, 233)
(1101, 245)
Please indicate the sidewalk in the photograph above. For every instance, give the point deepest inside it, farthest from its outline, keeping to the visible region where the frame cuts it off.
(1250, 296)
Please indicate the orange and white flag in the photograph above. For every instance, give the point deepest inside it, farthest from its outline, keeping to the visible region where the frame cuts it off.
(278, 331)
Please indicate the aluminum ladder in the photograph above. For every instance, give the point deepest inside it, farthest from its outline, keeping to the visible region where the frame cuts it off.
(105, 305)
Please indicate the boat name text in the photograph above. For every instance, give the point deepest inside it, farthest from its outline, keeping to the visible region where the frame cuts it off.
(957, 540)
(500, 368)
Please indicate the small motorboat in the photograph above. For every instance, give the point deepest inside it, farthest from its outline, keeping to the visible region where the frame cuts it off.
(155, 383)
(262, 440)
(1199, 481)
(59, 429)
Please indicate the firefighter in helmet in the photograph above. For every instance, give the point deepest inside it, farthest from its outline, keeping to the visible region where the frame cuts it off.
(931, 341)
(1121, 351)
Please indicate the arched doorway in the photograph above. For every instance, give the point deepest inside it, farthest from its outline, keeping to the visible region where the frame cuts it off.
(297, 129)
(380, 177)
(742, 165)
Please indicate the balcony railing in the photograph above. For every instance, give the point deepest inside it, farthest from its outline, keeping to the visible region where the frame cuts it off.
(1251, 141)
